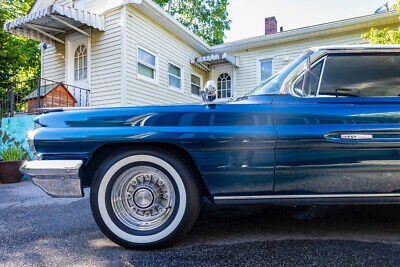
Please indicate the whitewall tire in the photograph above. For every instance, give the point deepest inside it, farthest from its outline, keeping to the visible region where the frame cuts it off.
(144, 199)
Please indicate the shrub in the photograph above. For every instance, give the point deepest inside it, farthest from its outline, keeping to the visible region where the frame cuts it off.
(13, 153)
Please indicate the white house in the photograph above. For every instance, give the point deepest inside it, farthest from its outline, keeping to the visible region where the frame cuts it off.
(134, 53)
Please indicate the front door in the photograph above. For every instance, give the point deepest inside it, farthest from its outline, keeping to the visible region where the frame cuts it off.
(77, 66)
(342, 134)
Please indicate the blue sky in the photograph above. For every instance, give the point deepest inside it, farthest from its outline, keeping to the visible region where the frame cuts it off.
(248, 15)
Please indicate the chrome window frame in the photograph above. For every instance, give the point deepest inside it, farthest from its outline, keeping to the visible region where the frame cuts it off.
(318, 53)
(321, 75)
(303, 72)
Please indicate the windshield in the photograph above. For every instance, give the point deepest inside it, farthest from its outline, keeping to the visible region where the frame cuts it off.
(273, 84)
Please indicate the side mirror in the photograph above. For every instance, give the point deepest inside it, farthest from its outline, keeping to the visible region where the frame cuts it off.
(209, 93)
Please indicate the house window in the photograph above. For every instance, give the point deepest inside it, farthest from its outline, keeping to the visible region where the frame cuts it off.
(174, 76)
(224, 86)
(195, 84)
(80, 63)
(265, 69)
(146, 65)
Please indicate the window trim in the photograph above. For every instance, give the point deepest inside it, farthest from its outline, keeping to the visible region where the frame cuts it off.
(77, 59)
(182, 77)
(262, 59)
(231, 89)
(155, 68)
(201, 83)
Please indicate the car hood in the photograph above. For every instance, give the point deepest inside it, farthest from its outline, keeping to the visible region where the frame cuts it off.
(113, 116)
(171, 115)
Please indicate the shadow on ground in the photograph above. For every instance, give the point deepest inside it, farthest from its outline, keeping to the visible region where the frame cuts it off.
(38, 230)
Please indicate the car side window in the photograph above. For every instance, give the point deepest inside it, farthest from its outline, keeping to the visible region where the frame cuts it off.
(361, 75)
(312, 81)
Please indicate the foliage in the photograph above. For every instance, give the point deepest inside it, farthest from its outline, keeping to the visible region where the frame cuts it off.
(19, 56)
(13, 153)
(206, 18)
(384, 36)
(11, 148)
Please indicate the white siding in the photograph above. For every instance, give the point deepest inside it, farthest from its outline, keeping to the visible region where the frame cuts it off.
(114, 81)
(145, 32)
(106, 63)
(53, 65)
(282, 54)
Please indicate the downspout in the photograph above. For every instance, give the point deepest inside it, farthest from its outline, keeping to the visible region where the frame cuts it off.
(42, 59)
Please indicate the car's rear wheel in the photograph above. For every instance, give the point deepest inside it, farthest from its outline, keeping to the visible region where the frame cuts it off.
(144, 199)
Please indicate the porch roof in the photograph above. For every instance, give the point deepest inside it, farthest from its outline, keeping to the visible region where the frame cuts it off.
(43, 25)
(208, 61)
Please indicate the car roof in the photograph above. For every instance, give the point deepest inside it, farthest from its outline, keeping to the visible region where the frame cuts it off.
(356, 47)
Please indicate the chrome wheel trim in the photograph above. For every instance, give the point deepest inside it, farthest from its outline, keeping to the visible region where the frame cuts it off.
(143, 198)
(102, 198)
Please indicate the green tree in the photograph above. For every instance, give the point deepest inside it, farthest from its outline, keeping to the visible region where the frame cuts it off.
(19, 56)
(206, 18)
(384, 36)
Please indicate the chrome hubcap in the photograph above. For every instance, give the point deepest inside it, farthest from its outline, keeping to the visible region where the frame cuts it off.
(143, 198)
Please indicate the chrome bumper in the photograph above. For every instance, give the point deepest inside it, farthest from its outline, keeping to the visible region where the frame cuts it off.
(58, 178)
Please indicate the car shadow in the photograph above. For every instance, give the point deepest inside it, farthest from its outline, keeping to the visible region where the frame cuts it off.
(38, 230)
(234, 223)
(263, 235)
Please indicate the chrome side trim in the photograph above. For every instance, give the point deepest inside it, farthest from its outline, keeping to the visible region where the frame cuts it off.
(322, 51)
(58, 178)
(304, 196)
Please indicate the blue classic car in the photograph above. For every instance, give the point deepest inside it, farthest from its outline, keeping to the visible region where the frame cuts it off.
(325, 129)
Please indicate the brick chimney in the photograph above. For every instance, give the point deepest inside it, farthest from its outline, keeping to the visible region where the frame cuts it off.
(271, 26)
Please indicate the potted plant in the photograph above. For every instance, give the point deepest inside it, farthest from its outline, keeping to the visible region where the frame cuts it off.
(11, 159)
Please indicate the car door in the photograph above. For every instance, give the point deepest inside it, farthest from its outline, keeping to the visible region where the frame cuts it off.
(341, 133)
(233, 146)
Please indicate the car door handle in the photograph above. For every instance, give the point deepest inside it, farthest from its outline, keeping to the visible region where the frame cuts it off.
(356, 136)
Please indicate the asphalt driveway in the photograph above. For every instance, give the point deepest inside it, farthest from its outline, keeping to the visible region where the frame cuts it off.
(38, 230)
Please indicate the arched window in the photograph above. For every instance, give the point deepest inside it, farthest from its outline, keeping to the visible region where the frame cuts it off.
(224, 86)
(80, 63)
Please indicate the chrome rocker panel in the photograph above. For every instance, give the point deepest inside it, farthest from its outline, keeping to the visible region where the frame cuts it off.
(58, 178)
(311, 199)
